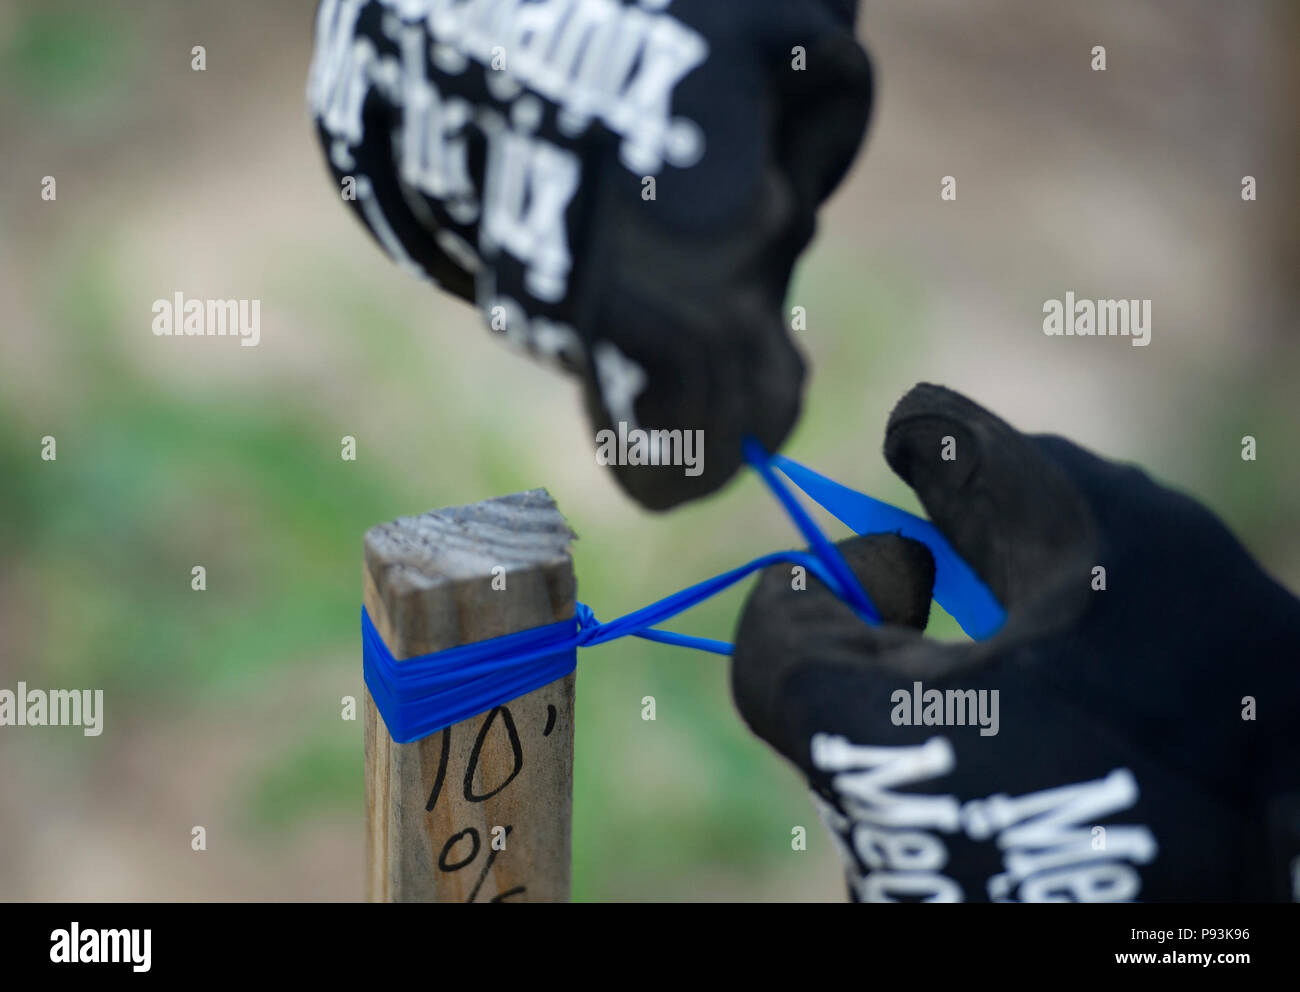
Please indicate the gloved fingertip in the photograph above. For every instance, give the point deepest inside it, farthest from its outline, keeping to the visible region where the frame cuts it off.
(793, 620)
(897, 574)
(930, 441)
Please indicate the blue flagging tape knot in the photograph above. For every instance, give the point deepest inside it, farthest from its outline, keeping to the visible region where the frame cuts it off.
(418, 697)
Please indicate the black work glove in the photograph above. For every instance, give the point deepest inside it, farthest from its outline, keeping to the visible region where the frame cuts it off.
(625, 193)
(1146, 739)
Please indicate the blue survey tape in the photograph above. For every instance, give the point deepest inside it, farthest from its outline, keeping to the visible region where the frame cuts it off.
(420, 696)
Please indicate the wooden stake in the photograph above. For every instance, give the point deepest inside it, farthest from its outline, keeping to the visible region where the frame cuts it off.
(481, 811)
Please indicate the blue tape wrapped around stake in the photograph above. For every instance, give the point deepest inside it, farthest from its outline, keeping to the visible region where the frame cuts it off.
(418, 697)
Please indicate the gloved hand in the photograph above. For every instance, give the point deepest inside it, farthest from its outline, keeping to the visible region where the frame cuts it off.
(622, 186)
(1144, 739)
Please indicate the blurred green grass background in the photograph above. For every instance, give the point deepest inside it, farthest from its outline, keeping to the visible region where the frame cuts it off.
(222, 707)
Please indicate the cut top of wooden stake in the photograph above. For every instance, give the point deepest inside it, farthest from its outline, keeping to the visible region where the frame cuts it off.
(458, 575)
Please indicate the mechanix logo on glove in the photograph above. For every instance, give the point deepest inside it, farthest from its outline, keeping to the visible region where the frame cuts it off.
(621, 187)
